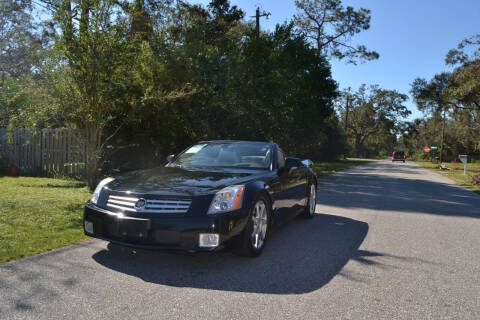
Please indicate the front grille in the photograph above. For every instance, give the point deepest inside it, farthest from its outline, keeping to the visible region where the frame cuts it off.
(151, 205)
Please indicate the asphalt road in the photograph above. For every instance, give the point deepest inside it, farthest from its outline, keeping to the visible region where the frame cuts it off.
(390, 241)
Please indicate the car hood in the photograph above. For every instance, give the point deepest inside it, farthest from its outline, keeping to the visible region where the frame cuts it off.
(180, 181)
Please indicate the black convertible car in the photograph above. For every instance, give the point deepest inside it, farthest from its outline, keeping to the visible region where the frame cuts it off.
(211, 195)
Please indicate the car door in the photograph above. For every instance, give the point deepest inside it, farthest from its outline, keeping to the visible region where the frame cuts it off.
(285, 197)
(298, 184)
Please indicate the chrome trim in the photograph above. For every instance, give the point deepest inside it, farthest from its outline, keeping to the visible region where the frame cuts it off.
(152, 205)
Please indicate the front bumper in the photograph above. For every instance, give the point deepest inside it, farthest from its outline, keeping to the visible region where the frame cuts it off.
(178, 233)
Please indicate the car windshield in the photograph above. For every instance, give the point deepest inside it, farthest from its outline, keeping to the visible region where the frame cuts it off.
(399, 153)
(254, 155)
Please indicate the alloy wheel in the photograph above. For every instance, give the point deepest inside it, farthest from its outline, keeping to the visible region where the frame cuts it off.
(312, 201)
(260, 224)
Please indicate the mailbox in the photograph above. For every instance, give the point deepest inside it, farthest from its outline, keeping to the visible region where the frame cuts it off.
(464, 159)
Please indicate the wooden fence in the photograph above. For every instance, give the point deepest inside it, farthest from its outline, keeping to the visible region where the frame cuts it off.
(48, 152)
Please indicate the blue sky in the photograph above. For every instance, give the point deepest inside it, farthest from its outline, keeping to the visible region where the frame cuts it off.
(412, 38)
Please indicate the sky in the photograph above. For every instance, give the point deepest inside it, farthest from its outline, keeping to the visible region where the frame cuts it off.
(412, 38)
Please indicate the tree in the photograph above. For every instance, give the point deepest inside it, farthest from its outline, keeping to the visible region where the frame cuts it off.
(21, 39)
(375, 114)
(464, 89)
(464, 93)
(22, 44)
(331, 26)
(452, 101)
(460, 55)
(432, 98)
(272, 87)
(93, 54)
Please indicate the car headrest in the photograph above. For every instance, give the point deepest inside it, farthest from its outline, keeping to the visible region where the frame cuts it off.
(227, 157)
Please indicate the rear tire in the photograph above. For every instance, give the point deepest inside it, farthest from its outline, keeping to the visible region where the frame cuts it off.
(309, 212)
(252, 240)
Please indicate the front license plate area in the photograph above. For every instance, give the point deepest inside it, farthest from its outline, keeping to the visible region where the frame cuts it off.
(137, 229)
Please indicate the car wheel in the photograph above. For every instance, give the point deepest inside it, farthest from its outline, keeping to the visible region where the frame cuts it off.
(309, 212)
(253, 238)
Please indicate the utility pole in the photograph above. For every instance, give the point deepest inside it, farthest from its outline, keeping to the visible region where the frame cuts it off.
(346, 122)
(347, 109)
(443, 137)
(257, 16)
(346, 114)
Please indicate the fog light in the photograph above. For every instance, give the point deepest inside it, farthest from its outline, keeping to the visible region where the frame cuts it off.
(209, 240)
(88, 227)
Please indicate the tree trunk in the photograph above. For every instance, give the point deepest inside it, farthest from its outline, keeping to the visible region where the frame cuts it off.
(93, 133)
(346, 123)
(68, 23)
(358, 146)
(443, 137)
(84, 18)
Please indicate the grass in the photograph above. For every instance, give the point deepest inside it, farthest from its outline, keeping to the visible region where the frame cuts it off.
(456, 173)
(39, 214)
(324, 168)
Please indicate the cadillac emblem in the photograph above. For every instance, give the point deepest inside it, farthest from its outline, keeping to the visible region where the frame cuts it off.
(140, 204)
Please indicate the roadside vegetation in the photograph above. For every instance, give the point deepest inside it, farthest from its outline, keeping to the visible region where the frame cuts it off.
(324, 168)
(450, 102)
(39, 214)
(454, 171)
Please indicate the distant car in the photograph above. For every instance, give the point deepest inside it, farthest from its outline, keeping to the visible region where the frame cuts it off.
(211, 195)
(398, 156)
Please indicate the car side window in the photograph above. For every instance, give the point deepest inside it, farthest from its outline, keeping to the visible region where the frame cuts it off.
(280, 159)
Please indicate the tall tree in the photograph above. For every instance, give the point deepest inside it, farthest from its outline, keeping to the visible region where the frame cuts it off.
(96, 50)
(21, 39)
(22, 46)
(374, 112)
(464, 89)
(431, 98)
(331, 26)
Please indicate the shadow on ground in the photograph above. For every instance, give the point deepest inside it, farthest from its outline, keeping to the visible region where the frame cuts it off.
(413, 192)
(301, 257)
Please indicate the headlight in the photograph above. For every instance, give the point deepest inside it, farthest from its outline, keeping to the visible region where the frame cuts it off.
(227, 199)
(98, 189)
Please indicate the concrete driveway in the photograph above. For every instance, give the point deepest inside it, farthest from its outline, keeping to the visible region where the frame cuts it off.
(390, 241)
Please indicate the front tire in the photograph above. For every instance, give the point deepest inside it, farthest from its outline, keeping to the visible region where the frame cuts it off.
(253, 238)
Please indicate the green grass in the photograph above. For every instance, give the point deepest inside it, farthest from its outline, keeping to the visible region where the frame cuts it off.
(324, 168)
(456, 173)
(39, 214)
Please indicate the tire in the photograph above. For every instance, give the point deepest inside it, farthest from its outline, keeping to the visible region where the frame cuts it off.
(309, 211)
(252, 240)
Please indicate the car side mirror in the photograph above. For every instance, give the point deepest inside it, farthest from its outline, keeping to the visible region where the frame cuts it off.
(307, 163)
(170, 158)
(292, 164)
